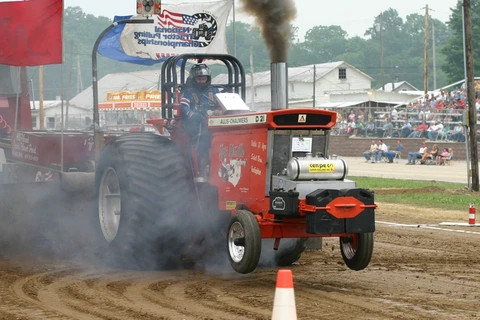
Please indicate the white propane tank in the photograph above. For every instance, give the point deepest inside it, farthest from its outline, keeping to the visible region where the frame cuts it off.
(311, 168)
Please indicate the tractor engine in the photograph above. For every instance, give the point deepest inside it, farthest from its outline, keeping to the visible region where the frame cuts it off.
(302, 173)
(300, 162)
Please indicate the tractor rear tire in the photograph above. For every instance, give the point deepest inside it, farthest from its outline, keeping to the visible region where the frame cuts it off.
(244, 242)
(141, 183)
(288, 252)
(357, 250)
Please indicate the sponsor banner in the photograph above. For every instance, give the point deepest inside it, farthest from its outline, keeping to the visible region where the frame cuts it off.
(180, 28)
(140, 95)
(237, 120)
(133, 105)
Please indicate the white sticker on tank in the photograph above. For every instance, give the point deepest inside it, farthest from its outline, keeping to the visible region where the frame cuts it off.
(300, 144)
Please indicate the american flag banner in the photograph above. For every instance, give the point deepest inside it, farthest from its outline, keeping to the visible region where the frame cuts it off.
(174, 19)
(198, 27)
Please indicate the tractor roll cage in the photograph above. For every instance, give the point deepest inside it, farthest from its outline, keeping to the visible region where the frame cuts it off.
(173, 77)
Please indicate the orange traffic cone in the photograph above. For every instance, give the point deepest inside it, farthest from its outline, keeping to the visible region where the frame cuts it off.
(284, 301)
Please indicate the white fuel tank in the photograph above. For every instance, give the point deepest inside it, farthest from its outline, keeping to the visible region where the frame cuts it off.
(314, 168)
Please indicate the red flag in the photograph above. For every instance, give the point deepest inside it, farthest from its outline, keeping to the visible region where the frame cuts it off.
(31, 32)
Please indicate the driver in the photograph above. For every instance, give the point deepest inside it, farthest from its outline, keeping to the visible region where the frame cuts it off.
(198, 101)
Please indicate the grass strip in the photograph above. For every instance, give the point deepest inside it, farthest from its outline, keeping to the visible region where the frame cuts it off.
(441, 195)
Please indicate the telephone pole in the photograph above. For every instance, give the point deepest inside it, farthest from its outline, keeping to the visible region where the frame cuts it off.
(469, 81)
(434, 58)
(381, 53)
(41, 111)
(425, 63)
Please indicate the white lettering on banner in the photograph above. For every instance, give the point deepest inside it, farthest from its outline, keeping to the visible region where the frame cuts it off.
(229, 121)
(178, 29)
(22, 148)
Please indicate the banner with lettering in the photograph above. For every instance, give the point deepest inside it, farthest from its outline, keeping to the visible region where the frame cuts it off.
(180, 28)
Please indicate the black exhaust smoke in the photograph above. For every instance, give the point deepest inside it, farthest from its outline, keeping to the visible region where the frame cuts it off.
(273, 18)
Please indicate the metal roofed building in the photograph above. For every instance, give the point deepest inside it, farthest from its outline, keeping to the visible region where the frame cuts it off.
(115, 82)
(329, 77)
(337, 85)
(398, 87)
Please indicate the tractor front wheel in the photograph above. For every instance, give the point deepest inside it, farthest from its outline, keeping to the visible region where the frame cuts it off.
(357, 249)
(244, 242)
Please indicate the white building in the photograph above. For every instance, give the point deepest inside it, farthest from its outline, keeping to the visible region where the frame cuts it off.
(398, 87)
(337, 85)
(78, 117)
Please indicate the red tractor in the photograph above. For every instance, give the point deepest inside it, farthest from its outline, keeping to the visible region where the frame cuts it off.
(271, 184)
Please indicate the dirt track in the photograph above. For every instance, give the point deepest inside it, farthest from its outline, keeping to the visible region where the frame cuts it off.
(419, 271)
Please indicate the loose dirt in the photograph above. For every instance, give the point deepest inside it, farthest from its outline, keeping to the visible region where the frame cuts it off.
(419, 270)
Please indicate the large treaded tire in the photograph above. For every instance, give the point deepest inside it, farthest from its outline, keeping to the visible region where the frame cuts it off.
(357, 250)
(244, 242)
(288, 252)
(142, 179)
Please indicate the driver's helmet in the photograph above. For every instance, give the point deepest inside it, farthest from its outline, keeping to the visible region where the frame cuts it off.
(199, 70)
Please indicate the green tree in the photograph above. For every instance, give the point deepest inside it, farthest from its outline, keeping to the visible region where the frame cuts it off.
(453, 51)
(247, 37)
(403, 45)
(326, 42)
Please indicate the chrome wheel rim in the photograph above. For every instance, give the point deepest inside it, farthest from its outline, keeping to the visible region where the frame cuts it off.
(109, 204)
(349, 246)
(235, 235)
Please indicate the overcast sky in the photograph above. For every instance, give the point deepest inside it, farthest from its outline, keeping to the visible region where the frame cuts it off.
(353, 16)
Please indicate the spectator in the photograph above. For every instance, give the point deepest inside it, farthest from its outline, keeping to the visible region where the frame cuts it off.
(370, 128)
(406, 129)
(360, 115)
(434, 130)
(394, 113)
(390, 155)
(460, 104)
(351, 116)
(432, 155)
(398, 149)
(446, 155)
(419, 130)
(440, 104)
(421, 114)
(370, 153)
(413, 156)
(387, 128)
(352, 128)
(444, 133)
(342, 127)
(360, 128)
(381, 151)
(458, 133)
